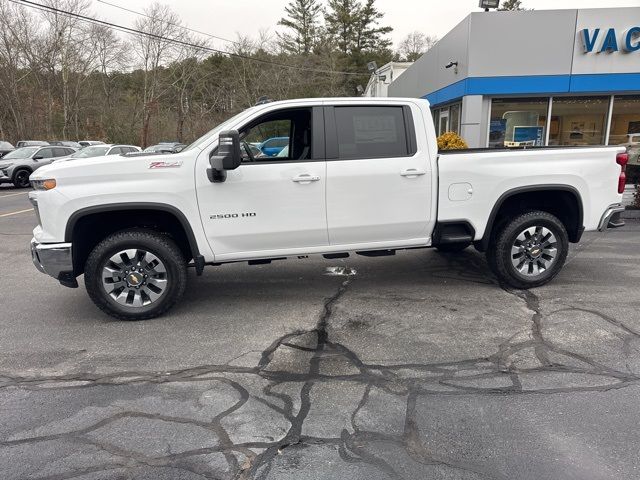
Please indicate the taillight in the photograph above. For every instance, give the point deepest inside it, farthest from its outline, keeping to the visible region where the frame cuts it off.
(622, 159)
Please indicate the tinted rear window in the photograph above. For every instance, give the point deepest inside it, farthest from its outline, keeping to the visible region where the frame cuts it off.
(371, 132)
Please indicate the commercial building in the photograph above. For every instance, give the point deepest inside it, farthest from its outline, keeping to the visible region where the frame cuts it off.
(542, 77)
(384, 76)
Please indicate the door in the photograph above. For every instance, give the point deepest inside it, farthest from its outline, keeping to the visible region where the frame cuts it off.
(444, 121)
(378, 180)
(270, 204)
(44, 156)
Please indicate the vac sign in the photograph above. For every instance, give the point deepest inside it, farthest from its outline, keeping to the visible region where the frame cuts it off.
(600, 41)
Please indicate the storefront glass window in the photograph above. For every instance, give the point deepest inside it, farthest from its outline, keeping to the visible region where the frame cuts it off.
(518, 121)
(578, 120)
(447, 119)
(444, 120)
(625, 126)
(454, 121)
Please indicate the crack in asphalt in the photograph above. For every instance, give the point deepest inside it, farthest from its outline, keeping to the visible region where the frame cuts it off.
(256, 459)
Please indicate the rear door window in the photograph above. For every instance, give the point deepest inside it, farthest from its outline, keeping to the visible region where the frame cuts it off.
(60, 152)
(47, 153)
(371, 132)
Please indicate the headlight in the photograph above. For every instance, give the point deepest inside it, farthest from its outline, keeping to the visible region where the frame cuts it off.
(47, 184)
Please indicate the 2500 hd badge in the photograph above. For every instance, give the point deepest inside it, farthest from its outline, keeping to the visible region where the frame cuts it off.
(226, 216)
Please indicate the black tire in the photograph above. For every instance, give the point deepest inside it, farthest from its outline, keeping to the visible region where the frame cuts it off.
(453, 247)
(160, 246)
(501, 260)
(21, 178)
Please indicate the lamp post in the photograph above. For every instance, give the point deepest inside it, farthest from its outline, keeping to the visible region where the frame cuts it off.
(487, 4)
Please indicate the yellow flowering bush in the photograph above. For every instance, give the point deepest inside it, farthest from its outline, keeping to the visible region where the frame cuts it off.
(451, 141)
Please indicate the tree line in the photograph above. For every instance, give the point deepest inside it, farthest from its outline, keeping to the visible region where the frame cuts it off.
(65, 76)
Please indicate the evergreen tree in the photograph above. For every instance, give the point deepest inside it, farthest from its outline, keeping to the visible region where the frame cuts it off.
(355, 26)
(370, 36)
(341, 18)
(302, 20)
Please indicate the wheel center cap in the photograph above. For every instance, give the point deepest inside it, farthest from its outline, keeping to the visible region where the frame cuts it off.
(535, 252)
(134, 279)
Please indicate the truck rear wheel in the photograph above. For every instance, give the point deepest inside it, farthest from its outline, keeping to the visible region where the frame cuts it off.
(529, 250)
(135, 275)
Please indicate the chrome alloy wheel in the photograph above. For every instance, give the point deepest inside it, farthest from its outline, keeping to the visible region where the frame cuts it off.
(134, 278)
(534, 251)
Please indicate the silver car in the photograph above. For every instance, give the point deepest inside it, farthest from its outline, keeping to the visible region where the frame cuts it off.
(100, 151)
(17, 166)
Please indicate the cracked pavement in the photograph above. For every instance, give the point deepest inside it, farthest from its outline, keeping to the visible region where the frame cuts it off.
(412, 366)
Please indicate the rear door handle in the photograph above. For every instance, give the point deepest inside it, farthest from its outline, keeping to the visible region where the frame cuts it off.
(305, 178)
(412, 172)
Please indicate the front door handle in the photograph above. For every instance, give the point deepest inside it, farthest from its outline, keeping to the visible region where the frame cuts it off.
(412, 172)
(305, 178)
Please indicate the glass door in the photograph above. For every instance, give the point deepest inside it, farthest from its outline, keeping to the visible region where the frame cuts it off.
(444, 121)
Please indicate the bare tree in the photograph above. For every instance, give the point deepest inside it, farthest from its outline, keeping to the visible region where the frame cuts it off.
(15, 29)
(154, 50)
(415, 45)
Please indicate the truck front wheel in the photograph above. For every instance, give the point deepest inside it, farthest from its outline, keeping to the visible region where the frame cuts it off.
(529, 250)
(135, 274)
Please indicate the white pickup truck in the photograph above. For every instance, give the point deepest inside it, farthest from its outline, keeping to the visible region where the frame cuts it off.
(358, 175)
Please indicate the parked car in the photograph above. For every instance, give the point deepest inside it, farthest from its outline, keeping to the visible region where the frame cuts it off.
(166, 147)
(374, 187)
(66, 143)
(5, 147)
(253, 149)
(100, 151)
(31, 143)
(16, 166)
(88, 143)
(273, 146)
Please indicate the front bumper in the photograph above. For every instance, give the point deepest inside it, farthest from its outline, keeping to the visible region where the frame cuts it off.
(54, 259)
(611, 217)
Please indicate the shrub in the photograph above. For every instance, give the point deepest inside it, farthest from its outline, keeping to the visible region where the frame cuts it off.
(451, 141)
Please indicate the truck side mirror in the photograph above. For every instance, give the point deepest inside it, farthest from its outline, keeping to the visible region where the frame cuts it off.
(228, 156)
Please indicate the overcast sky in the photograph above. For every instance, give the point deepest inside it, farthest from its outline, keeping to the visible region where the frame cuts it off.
(227, 17)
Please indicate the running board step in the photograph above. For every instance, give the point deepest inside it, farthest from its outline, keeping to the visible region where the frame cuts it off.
(455, 238)
(332, 256)
(377, 253)
(265, 261)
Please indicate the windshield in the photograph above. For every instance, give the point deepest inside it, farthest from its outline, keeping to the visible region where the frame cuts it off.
(25, 152)
(91, 152)
(207, 136)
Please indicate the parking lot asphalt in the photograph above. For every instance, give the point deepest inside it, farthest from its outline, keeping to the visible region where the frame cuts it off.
(413, 366)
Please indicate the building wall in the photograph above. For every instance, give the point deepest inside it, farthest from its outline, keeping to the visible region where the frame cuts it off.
(521, 43)
(428, 73)
(538, 55)
(539, 51)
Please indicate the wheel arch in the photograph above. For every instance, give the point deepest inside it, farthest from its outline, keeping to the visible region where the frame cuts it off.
(152, 215)
(18, 168)
(521, 199)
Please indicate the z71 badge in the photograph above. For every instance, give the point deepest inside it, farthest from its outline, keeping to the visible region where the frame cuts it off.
(226, 216)
(177, 164)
